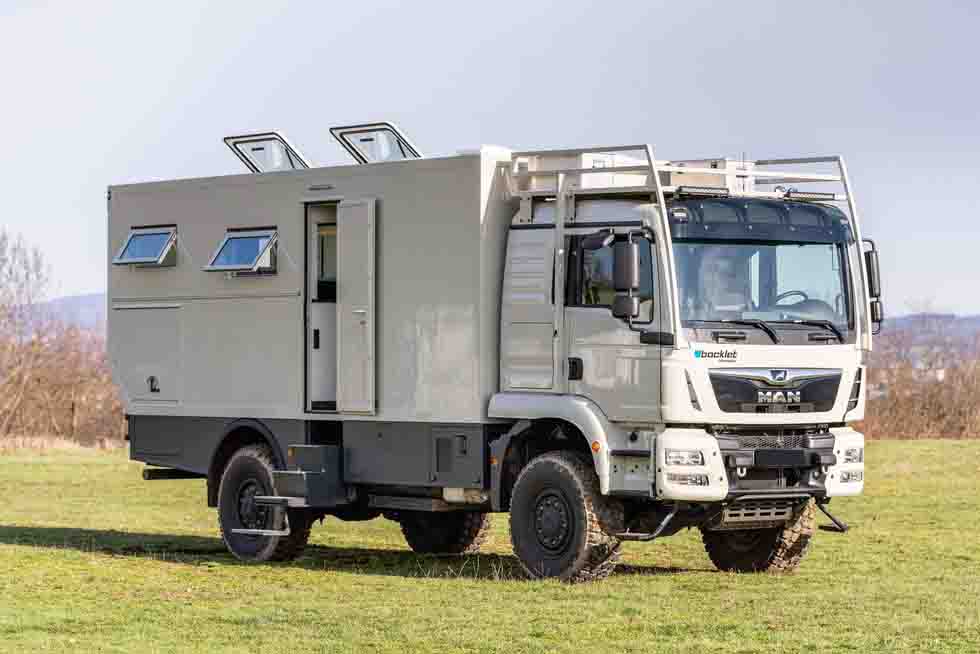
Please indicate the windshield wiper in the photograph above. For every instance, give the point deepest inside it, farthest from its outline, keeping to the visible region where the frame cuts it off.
(758, 324)
(826, 324)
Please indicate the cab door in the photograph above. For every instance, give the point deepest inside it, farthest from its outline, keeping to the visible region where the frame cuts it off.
(606, 361)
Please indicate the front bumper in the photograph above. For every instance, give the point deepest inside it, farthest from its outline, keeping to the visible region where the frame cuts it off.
(817, 469)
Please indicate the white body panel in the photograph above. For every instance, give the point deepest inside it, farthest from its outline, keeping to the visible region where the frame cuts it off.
(235, 346)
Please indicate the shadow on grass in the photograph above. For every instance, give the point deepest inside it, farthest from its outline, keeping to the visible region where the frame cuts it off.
(209, 551)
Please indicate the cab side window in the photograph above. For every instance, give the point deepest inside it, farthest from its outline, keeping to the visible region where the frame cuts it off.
(590, 278)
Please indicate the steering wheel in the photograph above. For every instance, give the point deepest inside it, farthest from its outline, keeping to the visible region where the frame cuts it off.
(783, 296)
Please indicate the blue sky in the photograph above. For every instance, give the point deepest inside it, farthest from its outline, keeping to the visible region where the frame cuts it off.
(98, 93)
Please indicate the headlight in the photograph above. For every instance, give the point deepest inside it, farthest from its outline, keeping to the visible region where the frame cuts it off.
(847, 477)
(854, 455)
(687, 480)
(684, 458)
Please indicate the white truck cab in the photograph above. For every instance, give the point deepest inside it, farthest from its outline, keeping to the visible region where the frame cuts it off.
(608, 346)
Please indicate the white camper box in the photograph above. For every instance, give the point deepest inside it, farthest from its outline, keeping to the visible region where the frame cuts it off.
(414, 330)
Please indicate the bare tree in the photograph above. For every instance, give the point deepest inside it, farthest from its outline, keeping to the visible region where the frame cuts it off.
(54, 378)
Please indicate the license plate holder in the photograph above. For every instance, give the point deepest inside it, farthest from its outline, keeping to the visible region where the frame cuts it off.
(780, 459)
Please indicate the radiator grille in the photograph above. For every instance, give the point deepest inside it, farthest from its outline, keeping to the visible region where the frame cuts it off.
(770, 441)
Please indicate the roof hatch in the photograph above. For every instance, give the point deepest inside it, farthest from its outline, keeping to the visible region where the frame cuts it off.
(265, 152)
(375, 142)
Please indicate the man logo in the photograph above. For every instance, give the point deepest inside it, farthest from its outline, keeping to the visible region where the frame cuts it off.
(780, 397)
(778, 376)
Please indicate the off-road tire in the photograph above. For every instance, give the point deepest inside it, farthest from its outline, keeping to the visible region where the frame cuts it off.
(450, 532)
(762, 550)
(251, 467)
(561, 526)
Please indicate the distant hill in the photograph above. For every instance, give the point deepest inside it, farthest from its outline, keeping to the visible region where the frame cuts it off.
(85, 311)
(953, 326)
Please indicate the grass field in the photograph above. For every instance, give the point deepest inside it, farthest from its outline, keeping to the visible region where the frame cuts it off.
(92, 558)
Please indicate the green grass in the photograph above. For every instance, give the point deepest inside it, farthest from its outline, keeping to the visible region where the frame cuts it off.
(92, 558)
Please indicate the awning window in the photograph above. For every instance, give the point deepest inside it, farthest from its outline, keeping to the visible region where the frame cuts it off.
(246, 250)
(149, 246)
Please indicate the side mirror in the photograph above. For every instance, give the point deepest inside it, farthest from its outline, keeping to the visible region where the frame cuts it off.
(626, 266)
(626, 307)
(626, 279)
(877, 314)
(874, 274)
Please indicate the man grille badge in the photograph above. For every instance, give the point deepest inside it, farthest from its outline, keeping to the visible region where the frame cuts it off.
(778, 376)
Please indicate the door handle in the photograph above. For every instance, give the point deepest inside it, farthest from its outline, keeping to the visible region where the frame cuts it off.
(360, 312)
(316, 339)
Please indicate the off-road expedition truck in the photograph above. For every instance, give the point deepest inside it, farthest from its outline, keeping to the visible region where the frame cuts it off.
(608, 346)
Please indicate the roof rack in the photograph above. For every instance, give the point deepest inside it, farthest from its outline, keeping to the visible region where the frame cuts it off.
(609, 170)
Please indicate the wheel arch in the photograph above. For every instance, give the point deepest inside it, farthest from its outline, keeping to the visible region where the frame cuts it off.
(237, 434)
(536, 415)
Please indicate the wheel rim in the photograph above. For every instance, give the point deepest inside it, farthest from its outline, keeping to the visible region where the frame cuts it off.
(553, 521)
(250, 514)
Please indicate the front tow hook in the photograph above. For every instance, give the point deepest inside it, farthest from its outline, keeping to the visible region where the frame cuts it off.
(839, 526)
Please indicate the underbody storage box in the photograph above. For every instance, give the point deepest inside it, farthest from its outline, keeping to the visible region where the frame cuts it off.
(314, 474)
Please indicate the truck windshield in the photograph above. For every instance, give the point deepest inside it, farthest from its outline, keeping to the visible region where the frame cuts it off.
(722, 280)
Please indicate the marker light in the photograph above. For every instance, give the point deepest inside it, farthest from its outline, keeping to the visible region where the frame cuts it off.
(812, 196)
(703, 191)
(684, 458)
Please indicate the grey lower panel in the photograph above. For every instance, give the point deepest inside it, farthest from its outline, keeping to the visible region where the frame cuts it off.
(415, 454)
(384, 453)
(189, 443)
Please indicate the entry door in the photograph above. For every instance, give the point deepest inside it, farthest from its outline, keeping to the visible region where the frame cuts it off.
(356, 235)
(617, 372)
(322, 311)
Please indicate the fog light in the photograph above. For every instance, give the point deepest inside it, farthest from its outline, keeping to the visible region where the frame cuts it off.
(684, 458)
(854, 455)
(848, 477)
(687, 480)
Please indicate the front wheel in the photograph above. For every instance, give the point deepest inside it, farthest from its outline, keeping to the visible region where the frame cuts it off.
(560, 524)
(778, 549)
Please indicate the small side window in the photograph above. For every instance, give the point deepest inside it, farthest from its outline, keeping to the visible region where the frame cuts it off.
(246, 250)
(149, 246)
(590, 282)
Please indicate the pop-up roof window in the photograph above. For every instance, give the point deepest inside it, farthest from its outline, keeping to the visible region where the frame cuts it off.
(149, 246)
(266, 152)
(374, 142)
(247, 250)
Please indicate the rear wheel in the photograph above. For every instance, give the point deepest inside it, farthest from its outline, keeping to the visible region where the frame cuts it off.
(451, 532)
(248, 474)
(762, 550)
(560, 524)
